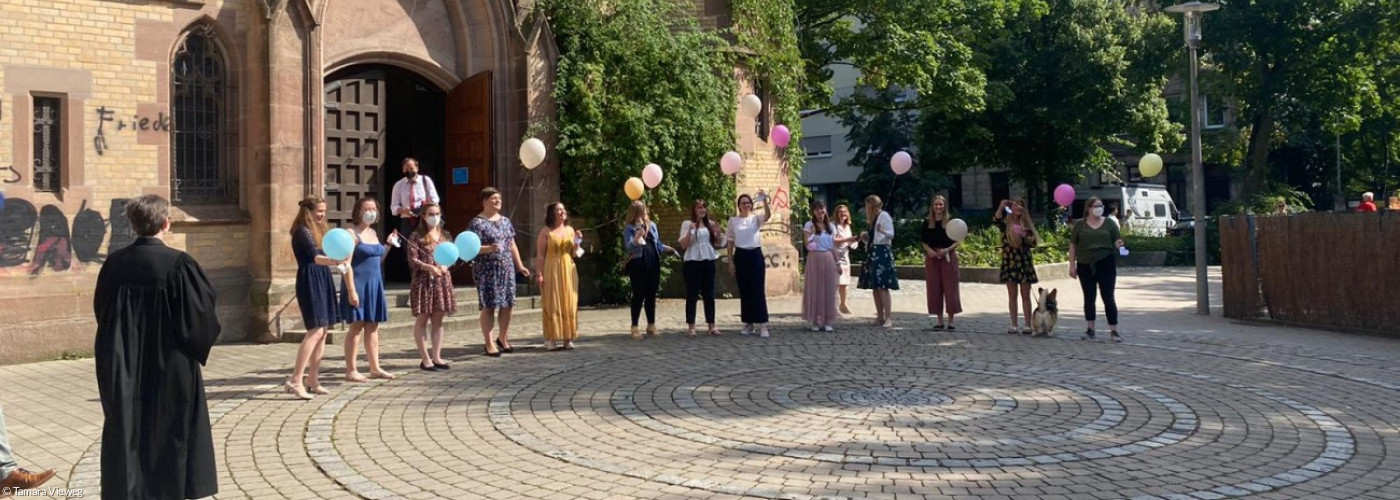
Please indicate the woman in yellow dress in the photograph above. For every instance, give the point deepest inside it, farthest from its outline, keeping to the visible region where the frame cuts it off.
(555, 249)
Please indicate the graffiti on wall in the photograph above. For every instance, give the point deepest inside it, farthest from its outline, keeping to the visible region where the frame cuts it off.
(38, 239)
(160, 123)
(10, 175)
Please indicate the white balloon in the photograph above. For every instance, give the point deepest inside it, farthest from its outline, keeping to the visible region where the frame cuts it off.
(957, 229)
(901, 162)
(750, 105)
(532, 153)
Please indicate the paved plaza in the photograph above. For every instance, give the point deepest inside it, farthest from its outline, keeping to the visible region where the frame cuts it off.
(1186, 407)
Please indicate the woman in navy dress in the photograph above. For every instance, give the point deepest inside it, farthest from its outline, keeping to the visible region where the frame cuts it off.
(365, 306)
(315, 295)
(494, 270)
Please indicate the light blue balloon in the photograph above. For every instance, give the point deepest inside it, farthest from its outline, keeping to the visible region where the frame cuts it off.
(338, 244)
(445, 254)
(469, 244)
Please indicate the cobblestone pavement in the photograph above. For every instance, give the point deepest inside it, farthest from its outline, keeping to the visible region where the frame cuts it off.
(1187, 407)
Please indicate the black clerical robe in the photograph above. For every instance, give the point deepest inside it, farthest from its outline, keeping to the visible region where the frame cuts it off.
(155, 327)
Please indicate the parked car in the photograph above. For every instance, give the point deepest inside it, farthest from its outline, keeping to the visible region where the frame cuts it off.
(1146, 209)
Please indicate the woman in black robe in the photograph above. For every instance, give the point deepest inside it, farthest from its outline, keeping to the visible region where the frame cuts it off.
(155, 327)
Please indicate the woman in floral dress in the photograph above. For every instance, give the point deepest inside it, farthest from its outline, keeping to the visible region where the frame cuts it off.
(494, 271)
(878, 274)
(1018, 238)
(431, 291)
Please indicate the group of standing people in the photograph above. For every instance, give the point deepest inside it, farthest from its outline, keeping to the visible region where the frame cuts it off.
(1094, 241)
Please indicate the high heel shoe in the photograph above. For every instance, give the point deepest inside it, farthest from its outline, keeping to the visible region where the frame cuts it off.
(651, 331)
(316, 389)
(502, 347)
(298, 390)
(496, 354)
(636, 334)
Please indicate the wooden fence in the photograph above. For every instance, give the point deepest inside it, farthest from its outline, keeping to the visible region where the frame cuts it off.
(1330, 270)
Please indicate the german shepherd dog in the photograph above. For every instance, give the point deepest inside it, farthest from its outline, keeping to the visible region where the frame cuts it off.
(1047, 312)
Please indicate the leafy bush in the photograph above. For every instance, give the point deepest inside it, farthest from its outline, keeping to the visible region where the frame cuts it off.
(1157, 243)
(981, 248)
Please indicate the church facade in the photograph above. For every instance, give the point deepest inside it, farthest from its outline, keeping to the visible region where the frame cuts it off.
(237, 109)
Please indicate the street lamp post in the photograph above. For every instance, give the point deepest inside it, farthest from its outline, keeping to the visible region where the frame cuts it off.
(1192, 11)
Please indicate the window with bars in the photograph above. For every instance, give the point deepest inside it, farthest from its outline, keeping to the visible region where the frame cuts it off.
(48, 142)
(202, 138)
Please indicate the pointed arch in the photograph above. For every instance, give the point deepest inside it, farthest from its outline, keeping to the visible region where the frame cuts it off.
(204, 124)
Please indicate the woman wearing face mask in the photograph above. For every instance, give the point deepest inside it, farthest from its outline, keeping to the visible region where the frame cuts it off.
(431, 291)
(555, 248)
(700, 236)
(315, 296)
(1018, 237)
(364, 304)
(494, 269)
(747, 266)
(1093, 245)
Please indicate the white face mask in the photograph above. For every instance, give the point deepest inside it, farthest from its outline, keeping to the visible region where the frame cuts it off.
(1097, 211)
(433, 220)
(370, 216)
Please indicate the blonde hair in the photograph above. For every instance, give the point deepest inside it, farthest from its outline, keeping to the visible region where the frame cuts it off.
(872, 207)
(306, 217)
(931, 215)
(636, 213)
(836, 214)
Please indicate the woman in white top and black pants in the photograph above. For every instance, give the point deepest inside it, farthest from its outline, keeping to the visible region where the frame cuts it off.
(699, 237)
(878, 274)
(746, 263)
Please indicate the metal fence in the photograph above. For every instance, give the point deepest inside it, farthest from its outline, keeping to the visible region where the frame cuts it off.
(1331, 270)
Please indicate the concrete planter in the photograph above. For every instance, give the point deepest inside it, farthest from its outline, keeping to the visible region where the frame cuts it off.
(1054, 270)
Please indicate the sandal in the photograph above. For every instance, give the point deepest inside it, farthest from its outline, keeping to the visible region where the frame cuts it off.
(1027, 331)
(714, 332)
(298, 390)
(381, 374)
(356, 377)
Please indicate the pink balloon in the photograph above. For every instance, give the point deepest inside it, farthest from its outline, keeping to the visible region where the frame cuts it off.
(730, 163)
(652, 175)
(901, 162)
(1064, 195)
(781, 136)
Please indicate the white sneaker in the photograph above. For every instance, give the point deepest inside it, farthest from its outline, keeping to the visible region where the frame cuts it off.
(764, 334)
(829, 328)
(816, 328)
(748, 329)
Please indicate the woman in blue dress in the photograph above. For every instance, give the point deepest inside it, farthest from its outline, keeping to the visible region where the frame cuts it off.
(365, 306)
(315, 295)
(494, 271)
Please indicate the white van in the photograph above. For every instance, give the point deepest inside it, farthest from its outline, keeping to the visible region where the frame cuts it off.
(1145, 209)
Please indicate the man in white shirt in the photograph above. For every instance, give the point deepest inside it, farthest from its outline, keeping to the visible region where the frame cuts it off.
(409, 195)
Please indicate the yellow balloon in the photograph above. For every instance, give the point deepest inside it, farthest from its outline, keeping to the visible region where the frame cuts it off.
(1150, 165)
(634, 188)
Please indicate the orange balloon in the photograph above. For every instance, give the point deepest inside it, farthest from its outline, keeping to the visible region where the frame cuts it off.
(634, 188)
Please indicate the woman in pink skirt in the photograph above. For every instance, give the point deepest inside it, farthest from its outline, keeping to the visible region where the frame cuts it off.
(819, 291)
(940, 265)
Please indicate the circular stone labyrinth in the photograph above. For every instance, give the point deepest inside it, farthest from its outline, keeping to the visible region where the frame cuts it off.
(858, 415)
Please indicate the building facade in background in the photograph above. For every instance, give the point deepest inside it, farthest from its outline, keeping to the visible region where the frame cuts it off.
(236, 110)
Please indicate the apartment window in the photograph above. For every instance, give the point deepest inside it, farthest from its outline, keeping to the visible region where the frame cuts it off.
(817, 146)
(202, 138)
(1212, 112)
(48, 142)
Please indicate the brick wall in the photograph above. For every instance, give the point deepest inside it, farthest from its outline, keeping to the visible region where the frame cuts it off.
(108, 65)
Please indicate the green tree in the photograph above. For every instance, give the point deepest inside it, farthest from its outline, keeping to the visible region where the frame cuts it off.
(638, 82)
(1295, 62)
(1065, 80)
(875, 136)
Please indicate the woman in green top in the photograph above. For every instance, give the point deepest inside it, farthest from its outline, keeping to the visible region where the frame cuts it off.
(1092, 245)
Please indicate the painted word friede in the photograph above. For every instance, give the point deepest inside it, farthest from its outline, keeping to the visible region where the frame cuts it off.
(160, 123)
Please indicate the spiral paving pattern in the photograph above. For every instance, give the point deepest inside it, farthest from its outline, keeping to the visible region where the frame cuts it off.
(859, 415)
